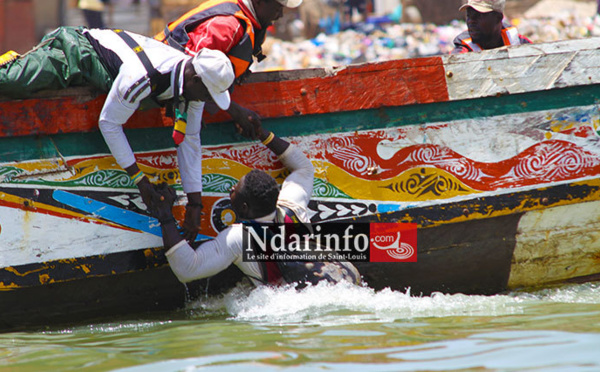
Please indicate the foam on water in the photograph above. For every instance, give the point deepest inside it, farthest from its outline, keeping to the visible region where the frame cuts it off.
(588, 293)
(327, 304)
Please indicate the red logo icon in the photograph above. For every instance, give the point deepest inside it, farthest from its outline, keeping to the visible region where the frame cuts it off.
(393, 242)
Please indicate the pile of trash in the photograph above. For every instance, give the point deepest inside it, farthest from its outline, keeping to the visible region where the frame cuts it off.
(567, 27)
(367, 43)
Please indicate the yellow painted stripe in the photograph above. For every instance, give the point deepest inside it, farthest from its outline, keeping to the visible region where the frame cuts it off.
(410, 186)
(233, 168)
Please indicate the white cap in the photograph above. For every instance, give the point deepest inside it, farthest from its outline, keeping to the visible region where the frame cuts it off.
(290, 3)
(216, 72)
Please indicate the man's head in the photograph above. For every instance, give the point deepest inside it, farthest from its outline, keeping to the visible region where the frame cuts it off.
(254, 196)
(208, 77)
(268, 11)
(484, 20)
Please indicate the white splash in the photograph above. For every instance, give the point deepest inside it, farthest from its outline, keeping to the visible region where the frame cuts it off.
(588, 293)
(327, 304)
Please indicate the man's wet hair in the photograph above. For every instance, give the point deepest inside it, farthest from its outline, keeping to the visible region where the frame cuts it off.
(260, 192)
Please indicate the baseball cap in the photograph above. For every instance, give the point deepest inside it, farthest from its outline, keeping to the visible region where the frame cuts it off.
(216, 72)
(485, 6)
(290, 3)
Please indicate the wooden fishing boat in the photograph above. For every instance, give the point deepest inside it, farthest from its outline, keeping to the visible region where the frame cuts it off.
(495, 156)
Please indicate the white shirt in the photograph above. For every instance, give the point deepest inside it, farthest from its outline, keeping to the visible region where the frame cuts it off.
(127, 92)
(227, 248)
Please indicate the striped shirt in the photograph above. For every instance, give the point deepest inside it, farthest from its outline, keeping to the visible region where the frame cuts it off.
(131, 86)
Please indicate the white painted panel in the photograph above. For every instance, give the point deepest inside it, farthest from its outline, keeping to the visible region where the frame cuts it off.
(498, 138)
(29, 237)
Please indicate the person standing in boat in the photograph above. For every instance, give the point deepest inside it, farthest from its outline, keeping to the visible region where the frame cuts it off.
(235, 27)
(257, 198)
(486, 28)
(135, 71)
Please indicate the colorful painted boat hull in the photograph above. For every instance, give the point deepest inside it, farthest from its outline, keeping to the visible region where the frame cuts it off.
(495, 156)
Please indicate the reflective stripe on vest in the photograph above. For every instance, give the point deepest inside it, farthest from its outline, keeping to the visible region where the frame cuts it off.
(510, 36)
(175, 34)
(471, 45)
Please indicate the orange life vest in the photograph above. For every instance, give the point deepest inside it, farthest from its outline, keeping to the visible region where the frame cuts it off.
(175, 33)
(510, 36)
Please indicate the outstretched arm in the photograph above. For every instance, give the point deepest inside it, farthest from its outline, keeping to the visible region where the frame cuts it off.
(300, 167)
(162, 211)
(115, 112)
(189, 157)
(187, 263)
(298, 185)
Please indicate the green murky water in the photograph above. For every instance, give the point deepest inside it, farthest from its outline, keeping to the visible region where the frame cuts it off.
(333, 328)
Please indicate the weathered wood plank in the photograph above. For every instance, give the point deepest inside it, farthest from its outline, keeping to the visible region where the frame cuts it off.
(527, 68)
(556, 244)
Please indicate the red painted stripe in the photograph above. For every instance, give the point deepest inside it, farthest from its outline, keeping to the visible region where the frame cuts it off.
(367, 86)
(65, 114)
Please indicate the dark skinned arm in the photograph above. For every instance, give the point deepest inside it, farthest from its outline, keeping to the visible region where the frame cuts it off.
(193, 216)
(277, 145)
(170, 234)
(164, 214)
(146, 188)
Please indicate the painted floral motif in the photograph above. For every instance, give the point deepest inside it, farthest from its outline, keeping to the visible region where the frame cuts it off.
(352, 157)
(8, 173)
(323, 189)
(217, 183)
(555, 160)
(255, 156)
(428, 184)
(401, 164)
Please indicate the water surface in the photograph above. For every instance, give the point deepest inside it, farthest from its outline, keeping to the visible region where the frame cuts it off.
(333, 328)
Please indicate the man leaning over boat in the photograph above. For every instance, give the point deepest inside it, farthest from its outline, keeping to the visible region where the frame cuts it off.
(135, 71)
(255, 198)
(486, 28)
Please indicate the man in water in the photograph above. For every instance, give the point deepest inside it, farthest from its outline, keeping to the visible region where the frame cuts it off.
(257, 198)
